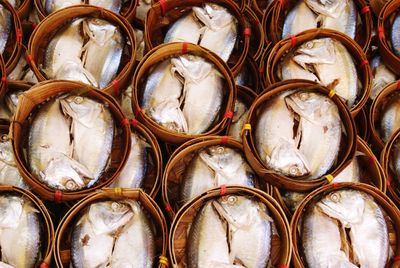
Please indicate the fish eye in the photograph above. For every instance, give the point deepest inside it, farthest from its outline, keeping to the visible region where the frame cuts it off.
(303, 96)
(335, 197)
(78, 99)
(232, 200)
(4, 137)
(294, 170)
(309, 45)
(71, 185)
(220, 149)
(116, 206)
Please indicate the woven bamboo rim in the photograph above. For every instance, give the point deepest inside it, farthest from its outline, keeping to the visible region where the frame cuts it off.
(49, 27)
(392, 218)
(372, 169)
(178, 162)
(12, 51)
(48, 228)
(262, 67)
(163, 14)
(377, 5)
(348, 146)
(281, 243)
(385, 49)
(127, 9)
(3, 74)
(30, 101)
(23, 9)
(261, 7)
(252, 69)
(385, 160)
(360, 59)
(62, 247)
(361, 121)
(257, 39)
(164, 52)
(375, 112)
(267, 19)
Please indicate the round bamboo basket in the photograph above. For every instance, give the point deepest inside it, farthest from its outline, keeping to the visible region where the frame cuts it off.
(392, 218)
(281, 245)
(29, 103)
(162, 53)
(384, 24)
(127, 10)
(62, 247)
(346, 153)
(48, 28)
(12, 86)
(262, 67)
(3, 74)
(361, 121)
(163, 14)
(23, 9)
(286, 46)
(251, 69)
(178, 163)
(282, 8)
(47, 237)
(261, 7)
(377, 5)
(257, 38)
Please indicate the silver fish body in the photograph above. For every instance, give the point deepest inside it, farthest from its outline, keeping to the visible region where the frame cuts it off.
(346, 22)
(238, 120)
(5, 22)
(126, 102)
(395, 162)
(395, 36)
(185, 29)
(141, 10)
(11, 100)
(74, 71)
(390, 118)
(299, 19)
(383, 76)
(292, 70)
(331, 9)
(113, 5)
(350, 174)
(139, 37)
(54, 5)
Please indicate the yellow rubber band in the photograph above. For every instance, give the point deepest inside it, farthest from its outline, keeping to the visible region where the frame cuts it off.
(246, 127)
(163, 260)
(118, 191)
(332, 93)
(329, 178)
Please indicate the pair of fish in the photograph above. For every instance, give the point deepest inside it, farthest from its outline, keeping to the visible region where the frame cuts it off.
(86, 50)
(189, 82)
(346, 228)
(212, 167)
(113, 234)
(54, 5)
(299, 134)
(231, 231)
(211, 26)
(20, 232)
(70, 142)
(327, 62)
(339, 15)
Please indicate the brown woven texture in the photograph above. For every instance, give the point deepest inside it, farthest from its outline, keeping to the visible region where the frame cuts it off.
(261, 7)
(163, 52)
(29, 103)
(377, 5)
(161, 17)
(48, 28)
(281, 249)
(127, 11)
(47, 238)
(175, 169)
(346, 153)
(392, 217)
(284, 47)
(375, 113)
(24, 9)
(282, 8)
(257, 38)
(361, 120)
(262, 66)
(3, 75)
(384, 28)
(252, 69)
(62, 245)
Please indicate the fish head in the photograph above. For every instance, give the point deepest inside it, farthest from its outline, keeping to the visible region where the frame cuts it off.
(169, 115)
(317, 51)
(191, 68)
(82, 109)
(345, 205)
(221, 158)
(330, 8)
(220, 16)
(239, 110)
(11, 208)
(235, 209)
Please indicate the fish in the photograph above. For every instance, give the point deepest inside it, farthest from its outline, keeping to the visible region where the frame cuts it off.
(185, 29)
(293, 199)
(292, 70)
(346, 21)
(331, 8)
(220, 31)
(20, 231)
(54, 5)
(5, 265)
(113, 5)
(274, 139)
(382, 76)
(11, 100)
(135, 245)
(390, 119)
(395, 162)
(321, 241)
(299, 19)
(92, 130)
(126, 102)
(331, 62)
(49, 155)
(350, 174)
(249, 230)
(19, 70)
(102, 54)
(94, 234)
(244, 77)
(9, 173)
(241, 111)
(5, 22)
(229, 166)
(133, 173)
(14, 3)
(142, 8)
(394, 35)
(74, 71)
(319, 131)
(203, 92)
(139, 37)
(169, 115)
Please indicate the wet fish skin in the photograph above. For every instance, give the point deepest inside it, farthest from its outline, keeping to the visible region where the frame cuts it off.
(5, 265)
(331, 9)
(54, 5)
(292, 70)
(299, 19)
(5, 22)
(383, 76)
(169, 115)
(390, 119)
(11, 100)
(395, 162)
(185, 29)
(126, 102)
(142, 7)
(346, 22)
(395, 38)
(113, 5)
(350, 174)
(238, 120)
(74, 71)
(139, 37)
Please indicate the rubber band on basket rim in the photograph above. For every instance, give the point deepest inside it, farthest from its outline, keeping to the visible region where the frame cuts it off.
(222, 190)
(331, 93)
(381, 32)
(282, 266)
(4, 79)
(329, 178)
(388, 182)
(163, 260)
(117, 191)
(125, 122)
(372, 159)
(282, 2)
(134, 123)
(365, 10)
(293, 41)
(185, 46)
(224, 140)
(260, 70)
(229, 115)
(363, 63)
(168, 207)
(247, 32)
(245, 127)
(396, 258)
(44, 265)
(163, 6)
(18, 35)
(58, 196)
(29, 58)
(115, 86)
(34, 25)
(137, 111)
(398, 85)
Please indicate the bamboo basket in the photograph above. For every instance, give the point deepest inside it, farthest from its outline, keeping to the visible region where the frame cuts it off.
(48, 28)
(261, 7)
(13, 86)
(281, 243)
(47, 224)
(127, 10)
(361, 121)
(282, 8)
(377, 5)
(262, 67)
(23, 9)
(257, 38)
(163, 14)
(178, 163)
(29, 103)
(254, 81)
(392, 218)
(3, 74)
(371, 173)
(346, 153)
(62, 247)
(385, 48)
(286, 46)
(164, 52)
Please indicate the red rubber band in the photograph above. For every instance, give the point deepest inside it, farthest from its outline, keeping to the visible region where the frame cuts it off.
(222, 190)
(125, 122)
(134, 123)
(381, 32)
(334, 185)
(4, 79)
(372, 159)
(44, 265)
(137, 111)
(388, 182)
(184, 47)
(282, 2)
(365, 10)
(34, 25)
(396, 258)
(18, 35)
(163, 5)
(398, 85)
(282, 266)
(363, 63)
(228, 115)
(260, 70)
(168, 208)
(247, 32)
(29, 58)
(58, 196)
(293, 41)
(224, 139)
(115, 85)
